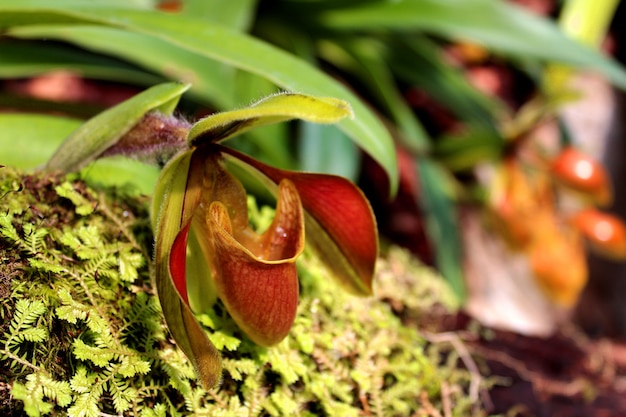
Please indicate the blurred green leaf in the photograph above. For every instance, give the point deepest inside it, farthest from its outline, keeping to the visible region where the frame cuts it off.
(497, 25)
(236, 14)
(132, 176)
(100, 132)
(20, 59)
(326, 149)
(442, 223)
(211, 81)
(418, 61)
(272, 143)
(28, 140)
(366, 59)
(474, 145)
(224, 45)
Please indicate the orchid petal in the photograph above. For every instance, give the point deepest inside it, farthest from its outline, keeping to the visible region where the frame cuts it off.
(178, 195)
(258, 284)
(273, 109)
(340, 223)
(178, 263)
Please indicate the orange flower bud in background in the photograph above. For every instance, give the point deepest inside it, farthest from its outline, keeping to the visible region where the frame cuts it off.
(171, 6)
(516, 200)
(605, 233)
(559, 265)
(579, 172)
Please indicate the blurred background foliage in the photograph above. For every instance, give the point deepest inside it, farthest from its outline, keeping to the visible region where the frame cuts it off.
(439, 88)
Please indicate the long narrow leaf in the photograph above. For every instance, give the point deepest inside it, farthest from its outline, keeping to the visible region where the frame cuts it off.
(210, 80)
(418, 61)
(498, 25)
(366, 60)
(23, 59)
(224, 45)
(236, 14)
(442, 224)
(28, 140)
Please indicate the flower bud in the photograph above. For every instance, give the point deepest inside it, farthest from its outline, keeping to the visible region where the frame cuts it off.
(579, 172)
(559, 266)
(606, 234)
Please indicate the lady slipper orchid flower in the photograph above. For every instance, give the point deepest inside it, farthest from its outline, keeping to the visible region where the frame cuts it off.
(202, 208)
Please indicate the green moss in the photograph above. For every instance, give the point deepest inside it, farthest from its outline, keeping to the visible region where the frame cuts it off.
(82, 331)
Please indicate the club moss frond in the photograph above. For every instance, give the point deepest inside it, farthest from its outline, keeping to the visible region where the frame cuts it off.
(82, 333)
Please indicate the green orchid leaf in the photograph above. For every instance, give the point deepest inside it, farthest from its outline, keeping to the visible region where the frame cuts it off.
(171, 217)
(270, 143)
(447, 84)
(339, 222)
(498, 25)
(366, 59)
(236, 14)
(274, 109)
(465, 150)
(132, 176)
(218, 43)
(100, 132)
(23, 59)
(442, 224)
(27, 141)
(211, 81)
(324, 148)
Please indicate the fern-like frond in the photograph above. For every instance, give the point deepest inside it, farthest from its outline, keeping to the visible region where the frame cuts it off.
(43, 264)
(237, 369)
(32, 334)
(86, 405)
(129, 262)
(132, 364)
(81, 382)
(34, 238)
(123, 394)
(82, 205)
(7, 229)
(26, 313)
(70, 310)
(39, 386)
(159, 410)
(96, 355)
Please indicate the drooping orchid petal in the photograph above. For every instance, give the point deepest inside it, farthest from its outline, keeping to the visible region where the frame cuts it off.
(340, 224)
(176, 200)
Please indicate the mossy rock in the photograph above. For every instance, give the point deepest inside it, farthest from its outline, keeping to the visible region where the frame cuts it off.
(82, 333)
